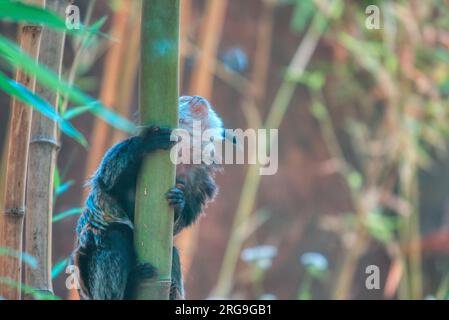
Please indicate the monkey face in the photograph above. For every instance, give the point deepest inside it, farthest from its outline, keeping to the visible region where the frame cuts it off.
(196, 108)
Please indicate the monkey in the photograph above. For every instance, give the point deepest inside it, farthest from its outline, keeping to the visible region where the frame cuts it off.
(104, 252)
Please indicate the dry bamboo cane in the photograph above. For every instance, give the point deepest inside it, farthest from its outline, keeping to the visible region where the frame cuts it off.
(3, 158)
(11, 221)
(41, 164)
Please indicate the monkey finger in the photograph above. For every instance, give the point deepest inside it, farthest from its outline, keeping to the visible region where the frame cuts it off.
(175, 191)
(176, 204)
(175, 199)
(174, 196)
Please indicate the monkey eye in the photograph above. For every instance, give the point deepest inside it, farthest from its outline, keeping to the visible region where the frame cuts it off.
(184, 99)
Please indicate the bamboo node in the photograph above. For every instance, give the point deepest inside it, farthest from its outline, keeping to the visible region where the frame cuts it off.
(46, 140)
(18, 212)
(32, 28)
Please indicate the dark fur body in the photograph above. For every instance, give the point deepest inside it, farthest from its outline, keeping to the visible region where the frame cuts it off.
(105, 254)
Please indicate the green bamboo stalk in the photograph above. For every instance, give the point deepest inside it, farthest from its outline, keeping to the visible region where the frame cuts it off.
(158, 106)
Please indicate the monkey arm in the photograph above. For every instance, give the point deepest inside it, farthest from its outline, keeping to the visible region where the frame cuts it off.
(196, 191)
(124, 159)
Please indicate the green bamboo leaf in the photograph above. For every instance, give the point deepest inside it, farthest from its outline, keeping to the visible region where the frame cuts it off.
(27, 258)
(56, 179)
(36, 293)
(17, 58)
(63, 187)
(68, 213)
(20, 12)
(59, 267)
(319, 110)
(303, 12)
(22, 93)
(355, 180)
(441, 54)
(314, 80)
(381, 226)
(96, 26)
(76, 111)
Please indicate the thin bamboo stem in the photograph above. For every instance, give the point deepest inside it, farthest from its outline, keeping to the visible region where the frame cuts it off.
(349, 265)
(78, 52)
(3, 158)
(11, 220)
(410, 235)
(42, 162)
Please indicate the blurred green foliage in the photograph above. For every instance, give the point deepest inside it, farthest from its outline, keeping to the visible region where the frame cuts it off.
(16, 58)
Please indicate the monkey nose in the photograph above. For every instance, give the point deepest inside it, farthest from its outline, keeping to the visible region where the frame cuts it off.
(199, 106)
